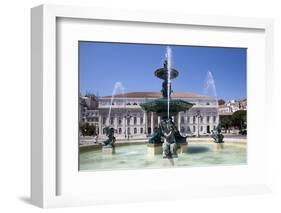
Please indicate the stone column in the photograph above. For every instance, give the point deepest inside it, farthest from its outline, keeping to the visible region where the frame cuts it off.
(124, 126)
(115, 123)
(158, 120)
(100, 122)
(145, 121)
(152, 123)
(138, 119)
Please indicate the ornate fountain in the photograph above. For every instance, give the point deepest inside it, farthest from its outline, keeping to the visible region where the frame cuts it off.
(167, 133)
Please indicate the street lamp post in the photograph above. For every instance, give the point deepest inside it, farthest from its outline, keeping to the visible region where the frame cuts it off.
(198, 119)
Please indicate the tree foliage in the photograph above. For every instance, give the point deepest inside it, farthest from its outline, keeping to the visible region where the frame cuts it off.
(221, 102)
(239, 119)
(87, 130)
(226, 122)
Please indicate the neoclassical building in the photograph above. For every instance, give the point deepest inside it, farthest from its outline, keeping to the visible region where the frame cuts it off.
(130, 121)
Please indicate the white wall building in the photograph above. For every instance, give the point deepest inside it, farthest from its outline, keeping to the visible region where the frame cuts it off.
(130, 120)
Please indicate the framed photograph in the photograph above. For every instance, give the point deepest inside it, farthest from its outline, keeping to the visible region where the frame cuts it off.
(133, 124)
(146, 105)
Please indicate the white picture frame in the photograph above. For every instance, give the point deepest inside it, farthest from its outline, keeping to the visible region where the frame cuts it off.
(45, 154)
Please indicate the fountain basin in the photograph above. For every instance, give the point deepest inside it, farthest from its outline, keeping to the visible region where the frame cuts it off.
(156, 149)
(200, 153)
(108, 150)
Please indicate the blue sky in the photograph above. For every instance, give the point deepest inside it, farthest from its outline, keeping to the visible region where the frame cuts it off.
(103, 64)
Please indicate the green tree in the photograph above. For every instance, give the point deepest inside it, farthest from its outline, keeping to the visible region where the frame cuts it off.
(221, 102)
(92, 130)
(87, 129)
(239, 119)
(226, 122)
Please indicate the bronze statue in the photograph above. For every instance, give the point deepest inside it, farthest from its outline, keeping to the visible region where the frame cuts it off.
(164, 90)
(109, 143)
(169, 145)
(217, 135)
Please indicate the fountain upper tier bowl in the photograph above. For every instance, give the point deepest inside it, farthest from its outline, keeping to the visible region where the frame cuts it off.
(159, 106)
(162, 73)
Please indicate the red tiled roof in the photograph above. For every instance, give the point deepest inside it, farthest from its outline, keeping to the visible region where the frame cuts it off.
(158, 95)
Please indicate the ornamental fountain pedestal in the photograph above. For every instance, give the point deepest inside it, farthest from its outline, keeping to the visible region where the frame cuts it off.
(166, 139)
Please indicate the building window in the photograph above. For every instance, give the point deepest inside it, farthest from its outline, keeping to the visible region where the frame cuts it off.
(119, 121)
(187, 119)
(208, 129)
(141, 130)
(194, 129)
(194, 119)
(120, 131)
(141, 120)
(214, 119)
(208, 119)
(201, 119)
(103, 120)
(182, 120)
(135, 130)
(182, 129)
(111, 121)
(128, 131)
(135, 120)
(201, 128)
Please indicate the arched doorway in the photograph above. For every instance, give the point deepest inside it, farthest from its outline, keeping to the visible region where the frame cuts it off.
(208, 129)
(149, 130)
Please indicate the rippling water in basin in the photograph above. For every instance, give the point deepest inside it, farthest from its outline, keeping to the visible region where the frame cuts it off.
(135, 157)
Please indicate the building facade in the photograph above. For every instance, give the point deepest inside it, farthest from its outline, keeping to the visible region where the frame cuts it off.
(129, 120)
(232, 106)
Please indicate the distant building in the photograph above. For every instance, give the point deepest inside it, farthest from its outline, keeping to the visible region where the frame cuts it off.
(89, 112)
(232, 106)
(130, 120)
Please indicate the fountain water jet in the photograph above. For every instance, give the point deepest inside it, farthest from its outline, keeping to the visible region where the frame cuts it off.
(108, 144)
(211, 90)
(210, 86)
(117, 86)
(169, 66)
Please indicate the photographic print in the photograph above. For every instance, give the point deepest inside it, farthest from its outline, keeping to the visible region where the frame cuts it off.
(147, 106)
